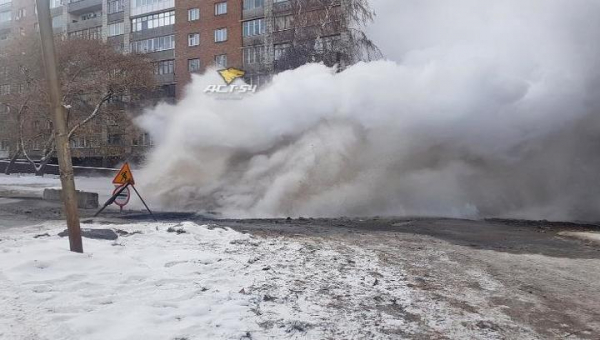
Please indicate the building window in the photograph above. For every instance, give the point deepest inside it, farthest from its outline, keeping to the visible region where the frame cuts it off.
(193, 65)
(154, 45)
(193, 14)
(5, 16)
(139, 7)
(91, 15)
(153, 21)
(257, 79)
(193, 39)
(164, 67)
(56, 3)
(221, 35)
(254, 27)
(221, 8)
(90, 33)
(283, 23)
(221, 60)
(80, 142)
(21, 13)
(4, 90)
(253, 55)
(281, 50)
(116, 29)
(4, 145)
(143, 139)
(252, 4)
(115, 6)
(114, 139)
(330, 43)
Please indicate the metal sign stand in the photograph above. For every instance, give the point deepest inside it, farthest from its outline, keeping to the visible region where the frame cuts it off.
(117, 193)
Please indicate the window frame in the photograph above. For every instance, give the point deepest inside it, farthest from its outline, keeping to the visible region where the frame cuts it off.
(216, 33)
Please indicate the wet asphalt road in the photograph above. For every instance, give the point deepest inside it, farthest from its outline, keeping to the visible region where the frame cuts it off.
(503, 235)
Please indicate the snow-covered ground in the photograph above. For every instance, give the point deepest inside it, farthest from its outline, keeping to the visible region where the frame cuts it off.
(37, 184)
(210, 282)
(586, 236)
(206, 283)
(29, 185)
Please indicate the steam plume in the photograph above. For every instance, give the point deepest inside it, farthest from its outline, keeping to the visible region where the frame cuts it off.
(484, 108)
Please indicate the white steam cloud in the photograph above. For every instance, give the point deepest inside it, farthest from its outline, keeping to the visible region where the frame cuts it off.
(485, 109)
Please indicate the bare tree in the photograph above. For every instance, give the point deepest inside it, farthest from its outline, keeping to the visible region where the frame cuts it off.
(97, 81)
(326, 31)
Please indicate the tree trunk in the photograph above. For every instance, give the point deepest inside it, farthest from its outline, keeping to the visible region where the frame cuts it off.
(41, 169)
(12, 162)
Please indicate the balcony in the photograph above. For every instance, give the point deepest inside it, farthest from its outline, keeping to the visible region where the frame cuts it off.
(118, 16)
(280, 7)
(159, 5)
(85, 24)
(153, 32)
(254, 40)
(165, 78)
(161, 55)
(82, 6)
(283, 36)
(254, 13)
(255, 68)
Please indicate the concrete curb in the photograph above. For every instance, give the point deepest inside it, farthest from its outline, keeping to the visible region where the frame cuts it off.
(85, 200)
(16, 193)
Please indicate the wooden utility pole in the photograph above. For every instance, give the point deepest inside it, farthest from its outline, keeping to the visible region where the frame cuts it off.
(69, 195)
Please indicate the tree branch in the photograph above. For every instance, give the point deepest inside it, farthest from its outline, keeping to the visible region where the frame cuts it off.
(68, 92)
(23, 149)
(92, 115)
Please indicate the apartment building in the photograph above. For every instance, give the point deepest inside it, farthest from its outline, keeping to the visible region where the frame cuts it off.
(183, 37)
(130, 26)
(138, 26)
(280, 34)
(16, 17)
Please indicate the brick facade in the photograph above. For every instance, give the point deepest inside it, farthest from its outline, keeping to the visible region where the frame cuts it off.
(206, 25)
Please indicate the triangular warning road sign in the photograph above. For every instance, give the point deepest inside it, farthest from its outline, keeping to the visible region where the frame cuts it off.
(124, 176)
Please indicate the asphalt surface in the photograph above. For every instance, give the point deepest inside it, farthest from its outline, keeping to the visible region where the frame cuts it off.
(540, 283)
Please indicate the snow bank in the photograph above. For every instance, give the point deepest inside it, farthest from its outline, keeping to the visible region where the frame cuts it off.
(586, 236)
(29, 185)
(155, 285)
(204, 283)
(185, 281)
